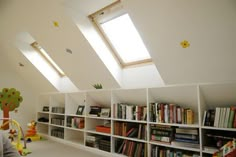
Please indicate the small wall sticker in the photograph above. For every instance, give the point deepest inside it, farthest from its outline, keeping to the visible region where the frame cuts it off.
(56, 24)
(185, 44)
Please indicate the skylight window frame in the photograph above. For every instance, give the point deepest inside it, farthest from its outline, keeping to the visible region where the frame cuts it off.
(47, 58)
(113, 11)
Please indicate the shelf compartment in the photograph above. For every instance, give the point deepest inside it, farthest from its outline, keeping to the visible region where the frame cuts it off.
(101, 100)
(100, 142)
(92, 123)
(130, 130)
(73, 101)
(129, 147)
(43, 117)
(42, 128)
(57, 103)
(75, 122)
(74, 136)
(57, 132)
(185, 97)
(158, 150)
(58, 120)
(44, 101)
(216, 138)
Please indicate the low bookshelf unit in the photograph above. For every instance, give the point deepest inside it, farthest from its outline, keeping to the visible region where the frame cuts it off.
(181, 120)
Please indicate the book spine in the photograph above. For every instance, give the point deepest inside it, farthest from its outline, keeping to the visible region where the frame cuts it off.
(226, 117)
(190, 117)
(217, 117)
(234, 123)
(185, 136)
(231, 117)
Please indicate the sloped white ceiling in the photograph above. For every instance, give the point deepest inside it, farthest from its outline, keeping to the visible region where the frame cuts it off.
(83, 66)
(209, 26)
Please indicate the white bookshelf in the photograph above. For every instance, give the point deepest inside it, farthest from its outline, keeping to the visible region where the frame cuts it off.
(212, 96)
(198, 97)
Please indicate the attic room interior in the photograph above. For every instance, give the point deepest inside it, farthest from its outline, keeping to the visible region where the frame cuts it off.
(73, 76)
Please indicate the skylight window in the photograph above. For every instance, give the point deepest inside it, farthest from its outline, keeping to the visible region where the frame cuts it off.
(118, 30)
(39, 49)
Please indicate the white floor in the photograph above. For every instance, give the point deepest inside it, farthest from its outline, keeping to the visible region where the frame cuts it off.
(48, 148)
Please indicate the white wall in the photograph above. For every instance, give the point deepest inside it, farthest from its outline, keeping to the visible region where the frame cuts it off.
(10, 79)
(141, 77)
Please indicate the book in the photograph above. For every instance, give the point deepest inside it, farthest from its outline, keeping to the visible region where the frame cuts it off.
(129, 112)
(190, 116)
(193, 131)
(184, 144)
(161, 138)
(231, 117)
(179, 116)
(212, 117)
(204, 118)
(186, 136)
(234, 122)
(222, 117)
(166, 113)
(226, 117)
(187, 140)
(208, 118)
(217, 117)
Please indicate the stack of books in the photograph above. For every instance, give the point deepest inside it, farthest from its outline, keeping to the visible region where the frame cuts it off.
(60, 110)
(186, 137)
(162, 133)
(92, 141)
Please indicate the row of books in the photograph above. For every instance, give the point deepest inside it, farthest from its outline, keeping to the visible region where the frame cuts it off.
(170, 113)
(57, 133)
(157, 151)
(130, 112)
(92, 141)
(58, 121)
(131, 148)
(223, 117)
(58, 110)
(75, 122)
(132, 130)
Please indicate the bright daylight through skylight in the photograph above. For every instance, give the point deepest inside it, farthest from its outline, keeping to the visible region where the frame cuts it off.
(125, 39)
